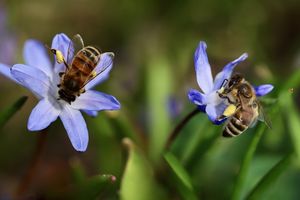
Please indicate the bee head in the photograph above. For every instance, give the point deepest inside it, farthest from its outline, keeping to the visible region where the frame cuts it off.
(245, 90)
(235, 80)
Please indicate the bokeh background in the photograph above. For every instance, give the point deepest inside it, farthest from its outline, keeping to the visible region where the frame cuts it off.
(154, 43)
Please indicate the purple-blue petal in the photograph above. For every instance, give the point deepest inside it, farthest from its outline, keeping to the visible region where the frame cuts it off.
(102, 69)
(203, 70)
(33, 79)
(196, 97)
(227, 71)
(43, 114)
(60, 42)
(97, 101)
(263, 89)
(215, 111)
(202, 108)
(91, 113)
(35, 55)
(5, 70)
(76, 128)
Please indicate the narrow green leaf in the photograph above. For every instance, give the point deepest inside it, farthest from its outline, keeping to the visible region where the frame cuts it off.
(292, 82)
(269, 179)
(93, 187)
(181, 174)
(8, 112)
(138, 178)
(158, 91)
(123, 127)
(293, 119)
(240, 183)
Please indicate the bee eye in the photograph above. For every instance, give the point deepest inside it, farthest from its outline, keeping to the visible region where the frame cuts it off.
(245, 91)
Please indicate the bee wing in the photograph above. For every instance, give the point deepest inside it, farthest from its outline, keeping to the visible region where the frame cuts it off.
(262, 116)
(75, 45)
(105, 62)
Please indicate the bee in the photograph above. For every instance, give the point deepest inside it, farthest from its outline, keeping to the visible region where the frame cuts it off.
(81, 66)
(243, 108)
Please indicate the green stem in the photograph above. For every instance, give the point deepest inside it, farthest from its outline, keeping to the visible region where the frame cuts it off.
(8, 112)
(267, 181)
(246, 164)
(179, 127)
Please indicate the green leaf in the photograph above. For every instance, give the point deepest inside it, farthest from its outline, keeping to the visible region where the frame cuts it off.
(93, 187)
(246, 163)
(123, 127)
(138, 178)
(8, 112)
(293, 119)
(182, 175)
(158, 92)
(269, 179)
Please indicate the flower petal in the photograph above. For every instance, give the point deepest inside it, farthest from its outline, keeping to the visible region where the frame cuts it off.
(227, 71)
(5, 70)
(32, 78)
(91, 113)
(103, 68)
(96, 101)
(263, 89)
(35, 55)
(43, 114)
(213, 112)
(196, 97)
(202, 67)
(76, 127)
(60, 42)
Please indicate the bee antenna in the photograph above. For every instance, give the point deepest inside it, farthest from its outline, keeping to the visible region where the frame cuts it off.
(52, 50)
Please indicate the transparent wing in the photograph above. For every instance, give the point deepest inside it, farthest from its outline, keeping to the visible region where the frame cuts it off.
(106, 61)
(262, 115)
(75, 45)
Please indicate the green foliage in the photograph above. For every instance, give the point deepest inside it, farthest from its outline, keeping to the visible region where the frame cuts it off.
(158, 92)
(138, 179)
(243, 172)
(93, 187)
(154, 43)
(8, 112)
(182, 175)
(268, 180)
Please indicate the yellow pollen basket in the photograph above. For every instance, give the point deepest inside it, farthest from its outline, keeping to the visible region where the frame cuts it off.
(59, 57)
(230, 110)
(221, 90)
(93, 74)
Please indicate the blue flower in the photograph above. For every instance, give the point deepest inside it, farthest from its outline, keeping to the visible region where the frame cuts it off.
(209, 101)
(41, 77)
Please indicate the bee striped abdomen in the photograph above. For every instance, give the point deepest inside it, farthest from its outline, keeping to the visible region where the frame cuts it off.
(86, 60)
(234, 128)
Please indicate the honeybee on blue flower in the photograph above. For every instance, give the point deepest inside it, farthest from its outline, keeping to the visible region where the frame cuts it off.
(81, 67)
(209, 101)
(43, 78)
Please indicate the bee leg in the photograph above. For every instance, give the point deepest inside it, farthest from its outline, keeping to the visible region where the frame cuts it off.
(58, 85)
(220, 118)
(226, 97)
(61, 74)
(228, 112)
(82, 91)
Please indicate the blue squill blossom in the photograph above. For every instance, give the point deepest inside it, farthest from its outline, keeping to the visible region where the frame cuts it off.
(208, 100)
(41, 77)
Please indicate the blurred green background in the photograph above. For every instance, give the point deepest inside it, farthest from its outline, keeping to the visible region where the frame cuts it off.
(154, 42)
